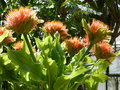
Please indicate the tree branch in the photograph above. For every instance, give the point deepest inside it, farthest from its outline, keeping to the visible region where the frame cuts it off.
(115, 34)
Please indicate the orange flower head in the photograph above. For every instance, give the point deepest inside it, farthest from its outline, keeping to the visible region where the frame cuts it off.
(73, 45)
(18, 45)
(96, 25)
(53, 26)
(103, 50)
(22, 20)
(97, 31)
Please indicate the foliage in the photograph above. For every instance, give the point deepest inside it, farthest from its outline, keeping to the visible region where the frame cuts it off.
(51, 67)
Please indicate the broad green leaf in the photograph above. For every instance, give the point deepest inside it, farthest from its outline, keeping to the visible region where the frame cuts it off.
(76, 82)
(102, 64)
(58, 53)
(7, 69)
(65, 80)
(90, 83)
(77, 78)
(92, 80)
(100, 77)
(79, 55)
(62, 83)
(23, 59)
(52, 49)
(39, 43)
(52, 70)
(78, 72)
(75, 60)
(45, 44)
(89, 59)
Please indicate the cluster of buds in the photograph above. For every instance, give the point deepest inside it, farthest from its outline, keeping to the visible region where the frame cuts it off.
(96, 33)
(52, 27)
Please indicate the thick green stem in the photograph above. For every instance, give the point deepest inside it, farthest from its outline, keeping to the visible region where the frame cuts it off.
(29, 47)
(86, 52)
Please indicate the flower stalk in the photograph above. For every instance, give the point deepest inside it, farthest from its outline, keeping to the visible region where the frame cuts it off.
(86, 51)
(29, 47)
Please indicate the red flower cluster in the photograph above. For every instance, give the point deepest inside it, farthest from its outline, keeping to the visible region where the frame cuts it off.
(96, 25)
(103, 50)
(73, 45)
(22, 20)
(97, 31)
(53, 26)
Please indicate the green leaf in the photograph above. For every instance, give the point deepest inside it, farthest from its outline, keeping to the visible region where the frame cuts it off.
(76, 82)
(77, 78)
(90, 83)
(52, 49)
(39, 43)
(78, 72)
(7, 68)
(102, 66)
(75, 59)
(100, 77)
(117, 53)
(52, 70)
(46, 44)
(64, 3)
(79, 55)
(23, 59)
(89, 59)
(86, 28)
(92, 80)
(62, 83)
(58, 53)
